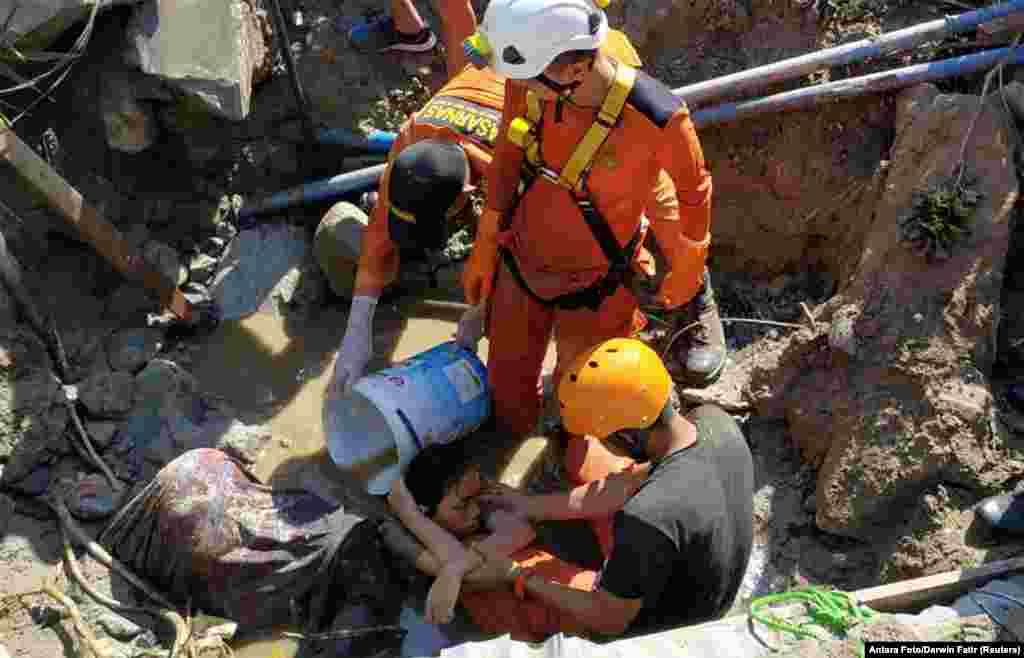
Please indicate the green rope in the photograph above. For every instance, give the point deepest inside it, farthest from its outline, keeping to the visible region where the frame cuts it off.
(832, 609)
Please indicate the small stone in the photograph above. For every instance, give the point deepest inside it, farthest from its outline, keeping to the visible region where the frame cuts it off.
(841, 336)
(918, 318)
(131, 349)
(245, 442)
(202, 268)
(102, 433)
(811, 504)
(119, 627)
(213, 245)
(92, 499)
(35, 483)
(284, 443)
(108, 394)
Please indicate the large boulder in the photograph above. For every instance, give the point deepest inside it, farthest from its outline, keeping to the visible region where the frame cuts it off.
(38, 23)
(891, 394)
(214, 51)
(337, 243)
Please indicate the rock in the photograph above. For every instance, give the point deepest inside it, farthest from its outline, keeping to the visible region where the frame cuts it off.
(245, 442)
(32, 416)
(911, 405)
(129, 305)
(35, 483)
(37, 24)
(254, 265)
(84, 350)
(108, 395)
(214, 51)
(131, 349)
(118, 627)
(202, 268)
(337, 244)
(92, 499)
(101, 433)
(810, 504)
(166, 260)
(130, 122)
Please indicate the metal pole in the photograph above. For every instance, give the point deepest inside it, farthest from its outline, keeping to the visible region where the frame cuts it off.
(744, 83)
(807, 97)
(301, 101)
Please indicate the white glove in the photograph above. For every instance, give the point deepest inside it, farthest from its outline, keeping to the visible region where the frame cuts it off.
(357, 346)
(471, 327)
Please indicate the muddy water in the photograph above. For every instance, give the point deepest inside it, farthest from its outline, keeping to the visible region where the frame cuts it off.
(277, 370)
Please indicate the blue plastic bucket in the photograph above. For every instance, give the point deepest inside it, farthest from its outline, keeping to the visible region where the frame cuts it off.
(437, 396)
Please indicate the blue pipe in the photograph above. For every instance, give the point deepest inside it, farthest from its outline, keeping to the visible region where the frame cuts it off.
(378, 141)
(743, 83)
(328, 189)
(807, 97)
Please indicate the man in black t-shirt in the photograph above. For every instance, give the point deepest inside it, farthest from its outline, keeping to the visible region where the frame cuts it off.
(683, 518)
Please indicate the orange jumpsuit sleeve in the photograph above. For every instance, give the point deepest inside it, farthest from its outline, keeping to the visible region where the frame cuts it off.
(378, 255)
(503, 178)
(684, 238)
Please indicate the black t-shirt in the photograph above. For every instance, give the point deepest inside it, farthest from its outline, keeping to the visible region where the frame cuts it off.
(682, 542)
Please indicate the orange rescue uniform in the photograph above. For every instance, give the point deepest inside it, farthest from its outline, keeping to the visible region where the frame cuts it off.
(466, 111)
(555, 250)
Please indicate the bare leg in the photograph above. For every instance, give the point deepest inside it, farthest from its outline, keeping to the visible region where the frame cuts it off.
(407, 18)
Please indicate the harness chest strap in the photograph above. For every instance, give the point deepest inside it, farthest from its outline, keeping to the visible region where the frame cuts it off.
(523, 132)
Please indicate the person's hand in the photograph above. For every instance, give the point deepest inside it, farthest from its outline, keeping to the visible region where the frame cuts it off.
(399, 497)
(510, 501)
(494, 574)
(444, 594)
(478, 275)
(471, 327)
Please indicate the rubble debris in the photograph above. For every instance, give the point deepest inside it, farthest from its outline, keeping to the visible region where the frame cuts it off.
(108, 394)
(213, 51)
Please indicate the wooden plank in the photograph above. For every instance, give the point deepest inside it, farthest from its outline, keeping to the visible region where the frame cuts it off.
(909, 594)
(93, 228)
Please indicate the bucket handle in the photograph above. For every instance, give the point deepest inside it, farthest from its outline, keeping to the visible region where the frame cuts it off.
(408, 426)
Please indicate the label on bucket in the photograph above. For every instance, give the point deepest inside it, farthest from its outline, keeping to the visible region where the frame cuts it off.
(466, 383)
(437, 396)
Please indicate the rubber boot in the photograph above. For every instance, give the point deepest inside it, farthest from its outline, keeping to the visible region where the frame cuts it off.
(1004, 512)
(699, 353)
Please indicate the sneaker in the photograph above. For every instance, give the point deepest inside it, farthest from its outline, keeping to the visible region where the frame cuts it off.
(1005, 512)
(700, 351)
(379, 34)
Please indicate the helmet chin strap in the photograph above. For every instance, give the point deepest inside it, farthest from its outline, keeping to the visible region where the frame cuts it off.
(563, 89)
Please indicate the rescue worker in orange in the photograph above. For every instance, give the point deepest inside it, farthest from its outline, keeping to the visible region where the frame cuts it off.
(438, 155)
(581, 144)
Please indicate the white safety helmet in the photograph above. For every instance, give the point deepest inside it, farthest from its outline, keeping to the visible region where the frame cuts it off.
(523, 37)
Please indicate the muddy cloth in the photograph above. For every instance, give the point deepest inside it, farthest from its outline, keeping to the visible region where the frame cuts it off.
(205, 530)
(683, 541)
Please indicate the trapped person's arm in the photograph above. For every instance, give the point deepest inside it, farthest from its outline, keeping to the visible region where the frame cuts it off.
(593, 500)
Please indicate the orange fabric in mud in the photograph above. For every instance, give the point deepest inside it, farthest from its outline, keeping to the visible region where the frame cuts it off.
(528, 620)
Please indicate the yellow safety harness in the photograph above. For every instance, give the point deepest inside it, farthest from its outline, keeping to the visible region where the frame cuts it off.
(525, 133)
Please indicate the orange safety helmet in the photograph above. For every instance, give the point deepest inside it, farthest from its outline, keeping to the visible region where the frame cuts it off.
(619, 384)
